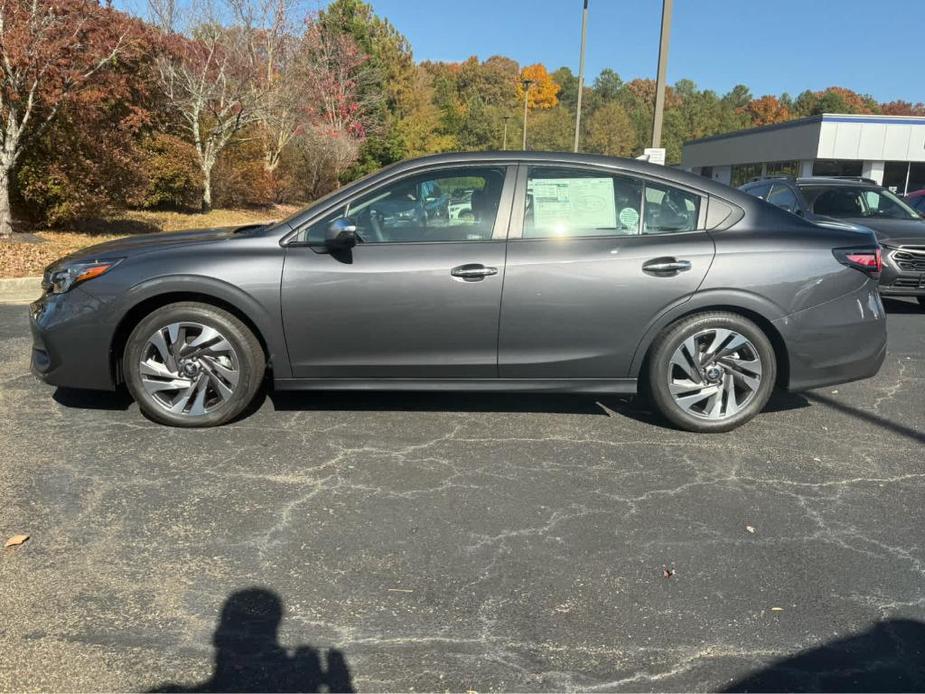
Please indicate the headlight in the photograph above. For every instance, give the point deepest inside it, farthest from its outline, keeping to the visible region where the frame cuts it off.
(61, 280)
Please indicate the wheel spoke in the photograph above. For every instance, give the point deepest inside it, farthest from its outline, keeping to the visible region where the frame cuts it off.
(189, 368)
(719, 381)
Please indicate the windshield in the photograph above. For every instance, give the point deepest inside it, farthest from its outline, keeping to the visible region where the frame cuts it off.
(857, 201)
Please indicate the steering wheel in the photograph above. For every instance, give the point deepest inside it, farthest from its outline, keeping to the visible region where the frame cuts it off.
(375, 223)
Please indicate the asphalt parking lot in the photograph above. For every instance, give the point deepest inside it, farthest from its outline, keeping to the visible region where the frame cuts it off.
(454, 542)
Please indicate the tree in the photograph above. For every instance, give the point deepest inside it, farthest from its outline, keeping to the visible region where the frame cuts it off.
(766, 111)
(543, 91)
(610, 131)
(902, 108)
(51, 51)
(208, 80)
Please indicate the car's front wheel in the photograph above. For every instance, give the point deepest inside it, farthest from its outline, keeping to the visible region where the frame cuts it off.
(921, 301)
(711, 372)
(192, 365)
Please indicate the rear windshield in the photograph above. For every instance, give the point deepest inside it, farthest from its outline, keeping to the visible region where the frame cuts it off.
(856, 201)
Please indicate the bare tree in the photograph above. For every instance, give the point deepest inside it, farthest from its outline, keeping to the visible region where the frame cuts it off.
(163, 14)
(50, 50)
(208, 78)
(274, 48)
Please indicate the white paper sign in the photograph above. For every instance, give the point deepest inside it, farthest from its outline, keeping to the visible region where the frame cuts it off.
(574, 203)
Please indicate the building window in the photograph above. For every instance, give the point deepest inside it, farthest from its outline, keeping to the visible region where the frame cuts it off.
(837, 167)
(784, 168)
(743, 173)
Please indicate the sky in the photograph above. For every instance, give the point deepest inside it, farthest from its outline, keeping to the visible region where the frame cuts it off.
(870, 46)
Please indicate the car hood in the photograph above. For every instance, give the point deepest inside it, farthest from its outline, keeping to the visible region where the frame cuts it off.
(142, 243)
(894, 232)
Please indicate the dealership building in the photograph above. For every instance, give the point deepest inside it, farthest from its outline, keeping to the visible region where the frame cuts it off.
(888, 149)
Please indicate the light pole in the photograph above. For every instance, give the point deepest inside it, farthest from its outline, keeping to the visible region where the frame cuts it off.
(662, 69)
(581, 71)
(504, 138)
(527, 84)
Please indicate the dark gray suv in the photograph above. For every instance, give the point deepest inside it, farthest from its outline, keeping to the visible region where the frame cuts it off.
(859, 202)
(571, 273)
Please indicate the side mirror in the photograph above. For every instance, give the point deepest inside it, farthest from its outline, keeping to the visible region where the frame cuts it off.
(340, 235)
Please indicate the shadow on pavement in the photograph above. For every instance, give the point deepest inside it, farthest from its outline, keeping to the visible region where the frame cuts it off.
(92, 399)
(869, 417)
(249, 657)
(894, 305)
(888, 657)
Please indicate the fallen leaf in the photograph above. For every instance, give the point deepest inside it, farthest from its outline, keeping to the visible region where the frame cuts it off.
(834, 392)
(750, 528)
(666, 572)
(16, 540)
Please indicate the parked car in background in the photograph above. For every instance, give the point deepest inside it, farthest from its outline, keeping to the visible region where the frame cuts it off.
(618, 275)
(916, 201)
(858, 203)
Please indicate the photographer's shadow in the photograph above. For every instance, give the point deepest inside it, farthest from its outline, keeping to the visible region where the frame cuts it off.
(249, 657)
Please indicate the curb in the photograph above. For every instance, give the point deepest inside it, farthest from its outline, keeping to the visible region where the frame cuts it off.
(20, 290)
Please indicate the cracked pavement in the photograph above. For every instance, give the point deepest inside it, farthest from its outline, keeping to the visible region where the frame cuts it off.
(463, 541)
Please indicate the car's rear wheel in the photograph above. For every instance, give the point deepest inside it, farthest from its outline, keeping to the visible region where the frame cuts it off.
(921, 301)
(192, 365)
(711, 372)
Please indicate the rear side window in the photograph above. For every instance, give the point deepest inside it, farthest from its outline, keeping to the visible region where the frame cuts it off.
(564, 202)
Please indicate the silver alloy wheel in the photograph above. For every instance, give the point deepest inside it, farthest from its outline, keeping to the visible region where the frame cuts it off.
(189, 368)
(714, 373)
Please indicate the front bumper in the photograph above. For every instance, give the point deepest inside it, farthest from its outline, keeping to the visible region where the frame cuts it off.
(838, 341)
(71, 340)
(903, 272)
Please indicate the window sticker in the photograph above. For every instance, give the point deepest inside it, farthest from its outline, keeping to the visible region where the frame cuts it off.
(629, 218)
(576, 203)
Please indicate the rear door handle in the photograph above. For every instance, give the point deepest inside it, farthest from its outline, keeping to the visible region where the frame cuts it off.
(664, 267)
(473, 272)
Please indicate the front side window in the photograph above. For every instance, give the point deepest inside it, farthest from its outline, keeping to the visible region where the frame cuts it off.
(858, 201)
(563, 202)
(457, 204)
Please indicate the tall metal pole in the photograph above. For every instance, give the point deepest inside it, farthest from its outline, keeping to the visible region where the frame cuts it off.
(581, 71)
(527, 84)
(662, 70)
(504, 138)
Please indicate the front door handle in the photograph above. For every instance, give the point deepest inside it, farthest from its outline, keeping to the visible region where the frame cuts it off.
(473, 272)
(665, 267)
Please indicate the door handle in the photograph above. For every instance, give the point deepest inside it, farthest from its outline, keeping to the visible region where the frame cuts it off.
(666, 266)
(473, 272)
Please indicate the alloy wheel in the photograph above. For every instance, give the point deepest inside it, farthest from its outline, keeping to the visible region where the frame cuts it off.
(714, 373)
(189, 368)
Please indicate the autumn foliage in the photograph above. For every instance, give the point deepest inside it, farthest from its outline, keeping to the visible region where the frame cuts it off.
(248, 104)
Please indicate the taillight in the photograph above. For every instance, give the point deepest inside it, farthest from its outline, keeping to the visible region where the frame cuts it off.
(867, 260)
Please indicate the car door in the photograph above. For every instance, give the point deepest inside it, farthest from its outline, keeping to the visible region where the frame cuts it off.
(418, 297)
(593, 257)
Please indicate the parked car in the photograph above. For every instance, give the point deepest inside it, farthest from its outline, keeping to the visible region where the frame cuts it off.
(617, 276)
(859, 203)
(916, 201)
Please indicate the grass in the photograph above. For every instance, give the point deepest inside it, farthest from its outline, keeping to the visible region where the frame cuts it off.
(23, 259)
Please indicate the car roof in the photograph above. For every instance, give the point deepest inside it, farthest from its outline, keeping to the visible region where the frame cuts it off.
(836, 181)
(639, 166)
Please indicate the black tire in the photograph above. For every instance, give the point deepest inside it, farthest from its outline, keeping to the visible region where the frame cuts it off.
(250, 363)
(661, 371)
(921, 300)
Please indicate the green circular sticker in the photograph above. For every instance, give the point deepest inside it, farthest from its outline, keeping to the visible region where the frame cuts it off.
(629, 217)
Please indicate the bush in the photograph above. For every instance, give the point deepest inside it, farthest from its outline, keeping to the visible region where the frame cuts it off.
(170, 175)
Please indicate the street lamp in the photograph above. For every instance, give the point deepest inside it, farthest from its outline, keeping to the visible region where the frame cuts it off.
(581, 71)
(662, 70)
(527, 84)
(504, 138)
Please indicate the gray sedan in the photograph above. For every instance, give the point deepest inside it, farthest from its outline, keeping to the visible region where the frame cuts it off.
(573, 273)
